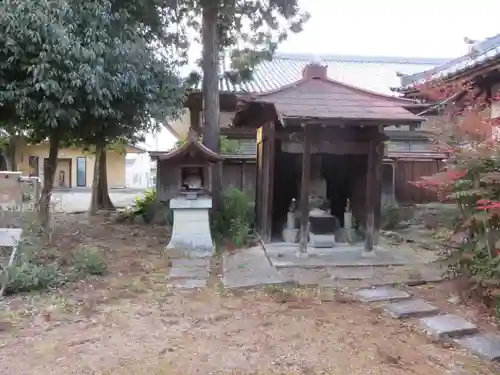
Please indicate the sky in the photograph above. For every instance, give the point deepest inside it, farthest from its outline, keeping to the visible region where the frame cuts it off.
(427, 28)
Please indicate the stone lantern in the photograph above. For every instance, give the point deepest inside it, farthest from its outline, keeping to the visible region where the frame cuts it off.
(191, 165)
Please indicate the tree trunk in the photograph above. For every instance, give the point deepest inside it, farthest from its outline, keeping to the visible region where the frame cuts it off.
(49, 171)
(8, 161)
(3, 161)
(100, 195)
(211, 109)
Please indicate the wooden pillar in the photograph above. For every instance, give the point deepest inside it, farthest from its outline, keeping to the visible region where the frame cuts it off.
(379, 162)
(304, 192)
(195, 119)
(242, 177)
(373, 193)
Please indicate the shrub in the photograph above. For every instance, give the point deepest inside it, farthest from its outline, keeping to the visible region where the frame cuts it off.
(89, 262)
(148, 207)
(235, 218)
(144, 206)
(391, 216)
(30, 276)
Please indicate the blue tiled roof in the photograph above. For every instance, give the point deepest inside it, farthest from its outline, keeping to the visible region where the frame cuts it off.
(487, 50)
(376, 74)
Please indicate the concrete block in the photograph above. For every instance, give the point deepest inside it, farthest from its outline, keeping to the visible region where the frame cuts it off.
(486, 346)
(380, 294)
(191, 229)
(321, 240)
(411, 308)
(449, 325)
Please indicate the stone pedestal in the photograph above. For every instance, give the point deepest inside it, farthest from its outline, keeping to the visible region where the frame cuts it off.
(191, 229)
(290, 235)
(321, 241)
(321, 229)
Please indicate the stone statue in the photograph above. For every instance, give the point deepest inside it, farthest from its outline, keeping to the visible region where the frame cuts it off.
(192, 181)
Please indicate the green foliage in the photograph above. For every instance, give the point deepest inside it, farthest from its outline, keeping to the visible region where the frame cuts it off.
(144, 204)
(149, 208)
(83, 70)
(235, 218)
(391, 216)
(89, 262)
(249, 31)
(30, 276)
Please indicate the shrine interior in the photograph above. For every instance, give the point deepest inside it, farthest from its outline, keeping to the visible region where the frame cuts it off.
(343, 178)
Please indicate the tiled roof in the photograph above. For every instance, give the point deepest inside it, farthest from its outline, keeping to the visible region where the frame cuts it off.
(486, 51)
(325, 99)
(376, 74)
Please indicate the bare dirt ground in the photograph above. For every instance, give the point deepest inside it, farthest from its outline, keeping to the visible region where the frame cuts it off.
(129, 323)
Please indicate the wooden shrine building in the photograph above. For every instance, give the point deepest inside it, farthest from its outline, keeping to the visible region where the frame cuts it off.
(318, 124)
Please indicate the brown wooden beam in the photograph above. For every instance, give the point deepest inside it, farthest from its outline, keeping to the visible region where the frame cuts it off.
(370, 194)
(304, 192)
(379, 161)
(335, 148)
(319, 134)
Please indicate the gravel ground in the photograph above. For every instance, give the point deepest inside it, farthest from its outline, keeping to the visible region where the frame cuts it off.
(129, 323)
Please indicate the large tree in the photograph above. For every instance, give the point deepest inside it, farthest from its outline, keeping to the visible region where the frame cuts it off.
(57, 69)
(250, 30)
(149, 18)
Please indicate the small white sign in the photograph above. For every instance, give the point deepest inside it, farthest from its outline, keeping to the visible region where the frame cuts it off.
(10, 187)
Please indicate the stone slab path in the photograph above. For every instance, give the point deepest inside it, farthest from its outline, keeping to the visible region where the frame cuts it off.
(485, 345)
(412, 308)
(380, 294)
(249, 268)
(189, 273)
(444, 327)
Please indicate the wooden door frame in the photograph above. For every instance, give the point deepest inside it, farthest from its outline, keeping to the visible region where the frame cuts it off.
(70, 160)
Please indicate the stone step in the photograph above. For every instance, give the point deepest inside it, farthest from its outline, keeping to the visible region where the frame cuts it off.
(380, 294)
(351, 273)
(447, 326)
(412, 308)
(189, 268)
(188, 284)
(188, 273)
(249, 268)
(486, 346)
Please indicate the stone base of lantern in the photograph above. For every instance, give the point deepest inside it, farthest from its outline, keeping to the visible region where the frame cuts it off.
(191, 229)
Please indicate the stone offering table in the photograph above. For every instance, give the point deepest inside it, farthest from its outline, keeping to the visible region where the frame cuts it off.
(191, 229)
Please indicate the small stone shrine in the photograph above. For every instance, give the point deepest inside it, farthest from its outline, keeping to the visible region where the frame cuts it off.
(189, 165)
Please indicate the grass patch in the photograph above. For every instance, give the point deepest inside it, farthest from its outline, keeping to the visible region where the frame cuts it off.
(89, 262)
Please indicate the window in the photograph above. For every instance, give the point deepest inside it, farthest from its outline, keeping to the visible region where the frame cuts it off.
(81, 171)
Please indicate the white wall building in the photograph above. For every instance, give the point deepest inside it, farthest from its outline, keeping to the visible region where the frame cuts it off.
(140, 169)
